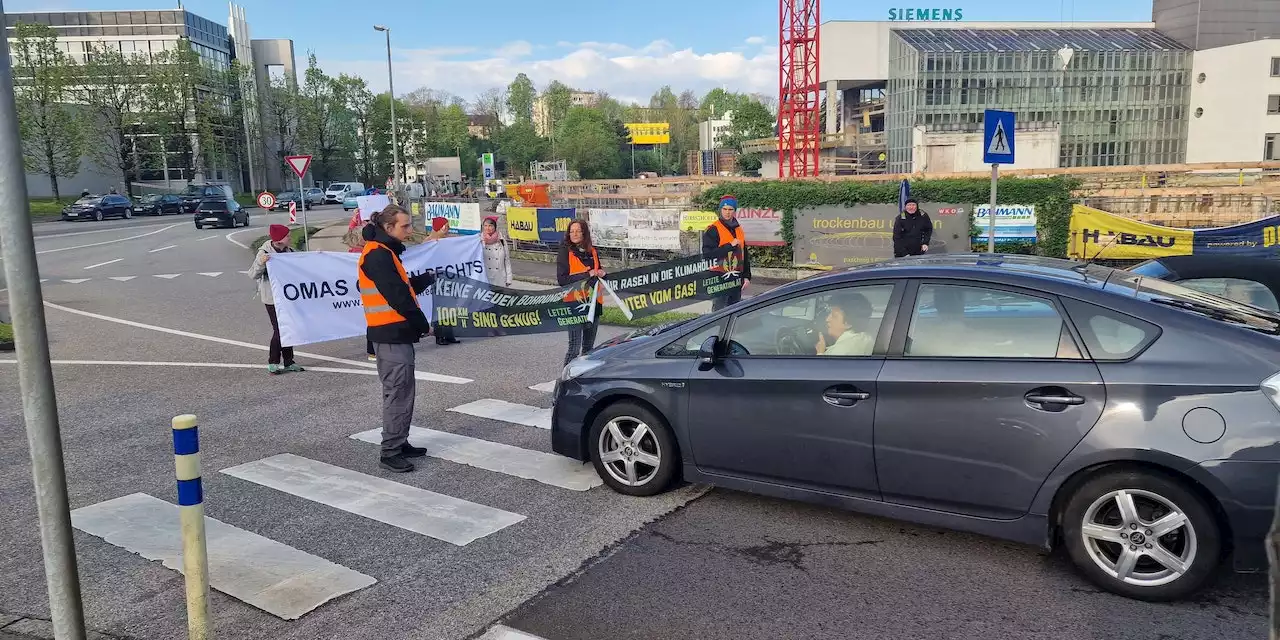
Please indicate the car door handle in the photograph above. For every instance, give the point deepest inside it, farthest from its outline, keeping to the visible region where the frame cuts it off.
(1039, 398)
(844, 398)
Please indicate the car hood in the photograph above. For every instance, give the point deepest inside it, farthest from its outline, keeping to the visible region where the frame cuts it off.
(641, 336)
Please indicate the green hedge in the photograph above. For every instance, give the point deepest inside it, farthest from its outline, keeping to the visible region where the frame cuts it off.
(1051, 197)
(295, 238)
(6, 332)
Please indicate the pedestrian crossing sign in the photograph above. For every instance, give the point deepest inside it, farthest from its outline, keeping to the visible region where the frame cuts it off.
(997, 139)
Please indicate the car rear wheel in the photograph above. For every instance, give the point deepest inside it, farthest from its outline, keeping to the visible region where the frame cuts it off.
(1142, 534)
(128, 213)
(633, 450)
(97, 215)
(199, 226)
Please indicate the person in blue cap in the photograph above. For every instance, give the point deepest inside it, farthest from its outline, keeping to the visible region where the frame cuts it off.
(725, 237)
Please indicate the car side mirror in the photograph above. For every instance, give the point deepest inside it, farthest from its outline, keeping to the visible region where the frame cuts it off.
(709, 353)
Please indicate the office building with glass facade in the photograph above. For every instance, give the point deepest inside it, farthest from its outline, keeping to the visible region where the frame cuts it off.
(1113, 96)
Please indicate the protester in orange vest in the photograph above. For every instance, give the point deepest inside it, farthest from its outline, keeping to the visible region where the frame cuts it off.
(395, 323)
(579, 261)
(725, 237)
(355, 241)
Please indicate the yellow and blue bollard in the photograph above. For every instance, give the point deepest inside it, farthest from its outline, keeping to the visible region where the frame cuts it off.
(195, 555)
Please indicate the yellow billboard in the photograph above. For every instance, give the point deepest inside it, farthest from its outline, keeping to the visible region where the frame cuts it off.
(522, 224)
(649, 132)
(697, 220)
(1098, 234)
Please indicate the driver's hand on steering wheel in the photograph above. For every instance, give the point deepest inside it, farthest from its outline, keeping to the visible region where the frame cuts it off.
(822, 342)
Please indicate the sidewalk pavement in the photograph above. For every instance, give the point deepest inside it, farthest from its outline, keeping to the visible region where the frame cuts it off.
(529, 275)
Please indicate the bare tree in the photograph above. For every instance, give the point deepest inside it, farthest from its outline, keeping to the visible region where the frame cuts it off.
(281, 120)
(110, 85)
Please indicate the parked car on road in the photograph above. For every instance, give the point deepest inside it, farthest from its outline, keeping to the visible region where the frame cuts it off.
(98, 208)
(1129, 420)
(1253, 281)
(158, 204)
(194, 194)
(221, 212)
(285, 198)
(350, 203)
(338, 191)
(315, 196)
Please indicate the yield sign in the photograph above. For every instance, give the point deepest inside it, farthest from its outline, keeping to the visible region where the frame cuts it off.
(299, 164)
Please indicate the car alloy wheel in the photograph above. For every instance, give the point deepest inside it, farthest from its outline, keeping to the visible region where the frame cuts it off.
(97, 215)
(633, 451)
(128, 213)
(1142, 534)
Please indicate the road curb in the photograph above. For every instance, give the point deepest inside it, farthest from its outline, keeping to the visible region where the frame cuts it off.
(16, 627)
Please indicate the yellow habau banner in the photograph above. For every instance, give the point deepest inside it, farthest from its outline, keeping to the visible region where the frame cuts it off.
(649, 132)
(1098, 234)
(522, 223)
(696, 220)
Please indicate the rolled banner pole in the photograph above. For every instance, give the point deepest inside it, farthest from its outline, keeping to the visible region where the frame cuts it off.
(595, 295)
(195, 555)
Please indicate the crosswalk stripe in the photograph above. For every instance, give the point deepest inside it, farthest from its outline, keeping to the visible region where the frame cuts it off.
(547, 468)
(545, 387)
(211, 274)
(76, 280)
(269, 575)
(123, 278)
(168, 276)
(431, 514)
(503, 632)
(507, 412)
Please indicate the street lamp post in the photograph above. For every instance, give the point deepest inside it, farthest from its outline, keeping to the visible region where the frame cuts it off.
(391, 88)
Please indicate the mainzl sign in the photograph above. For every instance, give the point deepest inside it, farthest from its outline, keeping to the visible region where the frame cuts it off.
(1095, 236)
(913, 14)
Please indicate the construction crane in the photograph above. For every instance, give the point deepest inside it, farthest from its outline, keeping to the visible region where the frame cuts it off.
(799, 92)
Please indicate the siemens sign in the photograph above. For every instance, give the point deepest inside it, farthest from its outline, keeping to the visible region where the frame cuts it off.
(911, 14)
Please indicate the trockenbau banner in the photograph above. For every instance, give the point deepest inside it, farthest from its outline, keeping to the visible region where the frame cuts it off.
(474, 308)
(837, 236)
(317, 298)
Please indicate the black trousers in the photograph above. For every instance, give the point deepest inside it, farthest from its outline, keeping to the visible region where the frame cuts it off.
(724, 301)
(582, 339)
(276, 352)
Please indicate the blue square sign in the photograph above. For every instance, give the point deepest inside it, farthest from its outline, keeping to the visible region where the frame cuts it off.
(997, 137)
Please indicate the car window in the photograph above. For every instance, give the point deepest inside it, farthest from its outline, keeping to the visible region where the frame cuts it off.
(833, 322)
(1246, 291)
(688, 346)
(1189, 300)
(959, 321)
(1110, 335)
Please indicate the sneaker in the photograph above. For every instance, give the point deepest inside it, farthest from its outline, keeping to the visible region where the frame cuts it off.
(395, 464)
(293, 368)
(373, 358)
(275, 369)
(410, 451)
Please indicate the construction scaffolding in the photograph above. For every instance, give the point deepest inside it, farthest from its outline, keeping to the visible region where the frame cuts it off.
(553, 171)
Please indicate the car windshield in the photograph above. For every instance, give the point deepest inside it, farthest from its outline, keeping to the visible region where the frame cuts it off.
(150, 199)
(213, 205)
(287, 195)
(338, 186)
(1208, 305)
(89, 200)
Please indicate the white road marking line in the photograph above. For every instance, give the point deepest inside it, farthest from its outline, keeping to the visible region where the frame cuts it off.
(99, 244)
(507, 412)
(213, 365)
(503, 632)
(245, 272)
(545, 387)
(102, 264)
(167, 276)
(206, 238)
(269, 575)
(211, 274)
(123, 278)
(77, 280)
(237, 242)
(431, 514)
(547, 468)
(420, 375)
(162, 249)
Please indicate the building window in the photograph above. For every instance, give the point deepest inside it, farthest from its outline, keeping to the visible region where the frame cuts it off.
(1271, 148)
(1273, 105)
(1275, 67)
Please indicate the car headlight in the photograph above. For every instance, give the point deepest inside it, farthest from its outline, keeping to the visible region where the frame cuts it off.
(578, 367)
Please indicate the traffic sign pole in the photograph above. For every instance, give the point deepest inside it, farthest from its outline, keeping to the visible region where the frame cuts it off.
(991, 213)
(300, 164)
(306, 242)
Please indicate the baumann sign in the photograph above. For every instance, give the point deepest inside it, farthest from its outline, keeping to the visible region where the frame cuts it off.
(922, 14)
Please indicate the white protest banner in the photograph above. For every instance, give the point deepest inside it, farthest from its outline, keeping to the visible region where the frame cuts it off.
(370, 205)
(317, 298)
(463, 217)
(636, 228)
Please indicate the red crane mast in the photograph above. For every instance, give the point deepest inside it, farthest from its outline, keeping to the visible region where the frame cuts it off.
(799, 91)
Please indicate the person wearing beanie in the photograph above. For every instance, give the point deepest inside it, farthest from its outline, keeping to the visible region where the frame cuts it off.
(440, 229)
(726, 238)
(279, 358)
(912, 231)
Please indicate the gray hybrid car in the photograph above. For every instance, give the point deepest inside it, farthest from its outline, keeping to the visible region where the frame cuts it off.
(1129, 420)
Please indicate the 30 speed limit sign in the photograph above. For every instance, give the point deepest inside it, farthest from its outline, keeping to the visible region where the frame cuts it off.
(266, 200)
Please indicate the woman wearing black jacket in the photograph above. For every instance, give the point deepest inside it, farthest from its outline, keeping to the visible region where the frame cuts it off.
(578, 261)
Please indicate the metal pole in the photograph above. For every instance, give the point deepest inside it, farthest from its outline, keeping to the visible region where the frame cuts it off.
(302, 204)
(195, 553)
(633, 159)
(991, 213)
(35, 374)
(395, 146)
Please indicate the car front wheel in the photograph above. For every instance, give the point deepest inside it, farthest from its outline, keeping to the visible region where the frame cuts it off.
(97, 215)
(128, 213)
(633, 450)
(1142, 534)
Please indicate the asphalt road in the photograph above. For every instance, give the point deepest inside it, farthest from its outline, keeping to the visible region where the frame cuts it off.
(151, 318)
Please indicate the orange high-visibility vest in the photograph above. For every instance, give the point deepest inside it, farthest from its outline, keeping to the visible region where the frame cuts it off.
(726, 237)
(577, 266)
(377, 312)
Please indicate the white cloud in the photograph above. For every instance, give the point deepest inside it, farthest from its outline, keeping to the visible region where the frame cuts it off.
(625, 72)
(755, 40)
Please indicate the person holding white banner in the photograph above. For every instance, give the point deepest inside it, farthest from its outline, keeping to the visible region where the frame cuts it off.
(578, 261)
(395, 323)
(279, 358)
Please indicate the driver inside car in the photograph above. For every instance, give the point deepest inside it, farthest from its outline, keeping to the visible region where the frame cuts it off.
(845, 323)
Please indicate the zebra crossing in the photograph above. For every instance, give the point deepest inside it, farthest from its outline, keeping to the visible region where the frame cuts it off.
(289, 583)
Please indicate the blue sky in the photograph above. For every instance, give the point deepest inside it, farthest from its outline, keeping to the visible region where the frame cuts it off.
(626, 48)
